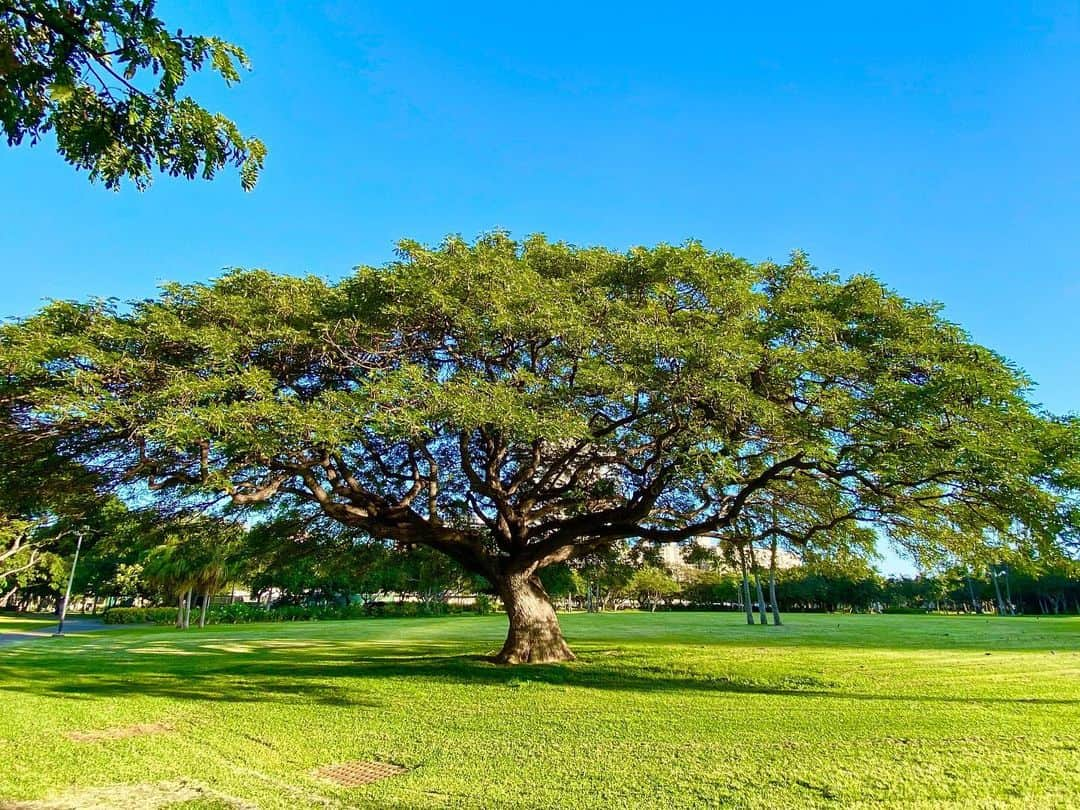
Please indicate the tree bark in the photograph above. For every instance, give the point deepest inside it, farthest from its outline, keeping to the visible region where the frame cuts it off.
(975, 603)
(205, 606)
(997, 592)
(746, 587)
(757, 586)
(534, 636)
(772, 584)
(7, 597)
(760, 599)
(180, 612)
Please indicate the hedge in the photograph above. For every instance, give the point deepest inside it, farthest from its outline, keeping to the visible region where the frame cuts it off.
(138, 615)
(244, 613)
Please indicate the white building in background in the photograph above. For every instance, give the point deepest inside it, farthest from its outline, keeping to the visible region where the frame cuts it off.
(672, 555)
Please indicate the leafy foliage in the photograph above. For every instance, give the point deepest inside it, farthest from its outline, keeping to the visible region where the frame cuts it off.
(104, 75)
(651, 586)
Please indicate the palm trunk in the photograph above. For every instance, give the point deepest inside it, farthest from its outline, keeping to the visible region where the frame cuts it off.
(757, 586)
(180, 612)
(997, 593)
(772, 584)
(205, 606)
(975, 604)
(534, 635)
(746, 587)
(1008, 594)
(760, 599)
(187, 609)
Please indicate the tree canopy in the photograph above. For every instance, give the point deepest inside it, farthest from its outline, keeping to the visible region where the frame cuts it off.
(105, 76)
(519, 404)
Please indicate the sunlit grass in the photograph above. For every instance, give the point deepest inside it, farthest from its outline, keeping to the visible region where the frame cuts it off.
(661, 710)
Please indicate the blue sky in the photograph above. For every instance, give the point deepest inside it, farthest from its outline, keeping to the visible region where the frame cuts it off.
(936, 145)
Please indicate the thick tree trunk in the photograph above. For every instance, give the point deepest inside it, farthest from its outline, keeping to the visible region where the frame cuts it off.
(205, 606)
(180, 613)
(534, 636)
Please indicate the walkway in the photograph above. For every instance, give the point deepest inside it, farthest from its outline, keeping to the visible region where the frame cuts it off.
(71, 626)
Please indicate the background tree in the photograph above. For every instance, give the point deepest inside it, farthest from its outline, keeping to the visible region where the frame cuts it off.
(833, 579)
(651, 586)
(714, 589)
(44, 501)
(519, 405)
(563, 581)
(194, 558)
(606, 572)
(170, 568)
(18, 550)
(104, 76)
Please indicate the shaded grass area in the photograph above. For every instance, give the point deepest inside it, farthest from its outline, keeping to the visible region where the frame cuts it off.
(660, 710)
(21, 622)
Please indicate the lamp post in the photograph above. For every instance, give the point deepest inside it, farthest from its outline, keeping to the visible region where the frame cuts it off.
(71, 579)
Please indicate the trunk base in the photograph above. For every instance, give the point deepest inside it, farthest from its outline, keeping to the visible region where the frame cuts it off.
(534, 636)
(535, 651)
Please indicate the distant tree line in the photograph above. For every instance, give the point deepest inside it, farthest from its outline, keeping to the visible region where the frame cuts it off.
(846, 583)
(291, 563)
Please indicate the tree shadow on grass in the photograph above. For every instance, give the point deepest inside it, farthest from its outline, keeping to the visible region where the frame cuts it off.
(335, 675)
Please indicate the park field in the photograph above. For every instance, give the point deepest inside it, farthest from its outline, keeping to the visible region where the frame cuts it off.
(27, 622)
(673, 710)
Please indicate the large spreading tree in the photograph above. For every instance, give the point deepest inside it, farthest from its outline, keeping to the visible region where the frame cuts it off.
(515, 405)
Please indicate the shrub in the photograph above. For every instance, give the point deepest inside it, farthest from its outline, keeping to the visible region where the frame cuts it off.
(140, 615)
(246, 613)
(238, 613)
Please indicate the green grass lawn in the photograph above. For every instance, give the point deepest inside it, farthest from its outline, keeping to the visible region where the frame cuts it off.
(21, 622)
(660, 711)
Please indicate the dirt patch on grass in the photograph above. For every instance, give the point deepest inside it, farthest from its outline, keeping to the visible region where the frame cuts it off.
(360, 772)
(118, 732)
(146, 796)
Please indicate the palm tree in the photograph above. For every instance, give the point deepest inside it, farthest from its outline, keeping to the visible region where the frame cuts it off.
(198, 558)
(171, 568)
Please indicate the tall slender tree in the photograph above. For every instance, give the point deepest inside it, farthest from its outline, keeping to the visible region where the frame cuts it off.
(772, 580)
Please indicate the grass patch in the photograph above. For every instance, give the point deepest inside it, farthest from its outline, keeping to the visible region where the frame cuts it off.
(21, 622)
(661, 711)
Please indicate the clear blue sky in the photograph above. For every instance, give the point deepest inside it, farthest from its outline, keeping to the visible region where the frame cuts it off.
(936, 145)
